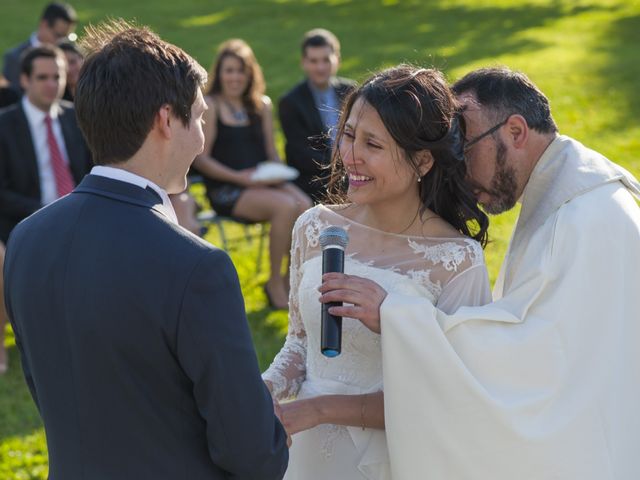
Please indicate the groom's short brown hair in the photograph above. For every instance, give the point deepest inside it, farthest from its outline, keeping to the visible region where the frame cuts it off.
(128, 75)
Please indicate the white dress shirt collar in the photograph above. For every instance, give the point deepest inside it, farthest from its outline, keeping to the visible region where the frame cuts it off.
(35, 115)
(34, 40)
(128, 177)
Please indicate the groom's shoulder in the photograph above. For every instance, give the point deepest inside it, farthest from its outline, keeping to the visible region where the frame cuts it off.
(185, 243)
(182, 255)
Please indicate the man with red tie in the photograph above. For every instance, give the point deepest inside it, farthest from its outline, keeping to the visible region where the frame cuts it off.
(43, 155)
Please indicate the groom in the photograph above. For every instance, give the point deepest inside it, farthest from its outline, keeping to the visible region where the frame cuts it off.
(132, 331)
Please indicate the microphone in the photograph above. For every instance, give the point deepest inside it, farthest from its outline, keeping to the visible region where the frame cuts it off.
(333, 241)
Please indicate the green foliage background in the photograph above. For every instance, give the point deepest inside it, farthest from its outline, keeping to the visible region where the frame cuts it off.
(582, 53)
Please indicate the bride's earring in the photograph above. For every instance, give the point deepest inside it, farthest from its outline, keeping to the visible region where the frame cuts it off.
(425, 163)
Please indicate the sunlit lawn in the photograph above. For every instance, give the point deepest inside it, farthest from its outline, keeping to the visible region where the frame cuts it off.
(583, 54)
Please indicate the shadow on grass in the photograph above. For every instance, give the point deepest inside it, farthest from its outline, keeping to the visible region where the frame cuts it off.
(620, 40)
(375, 35)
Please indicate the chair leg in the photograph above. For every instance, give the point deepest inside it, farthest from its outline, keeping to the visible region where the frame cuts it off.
(261, 242)
(247, 234)
(223, 237)
(248, 237)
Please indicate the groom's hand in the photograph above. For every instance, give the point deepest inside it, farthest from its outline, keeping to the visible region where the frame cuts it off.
(301, 415)
(277, 409)
(365, 295)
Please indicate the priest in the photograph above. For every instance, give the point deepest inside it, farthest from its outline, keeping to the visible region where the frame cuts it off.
(543, 383)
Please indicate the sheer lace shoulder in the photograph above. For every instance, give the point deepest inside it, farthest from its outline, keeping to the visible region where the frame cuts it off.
(417, 265)
(430, 261)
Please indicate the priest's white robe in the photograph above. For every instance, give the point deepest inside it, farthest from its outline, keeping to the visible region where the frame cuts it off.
(543, 383)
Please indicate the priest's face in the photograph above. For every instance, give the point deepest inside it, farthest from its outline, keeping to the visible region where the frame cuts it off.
(491, 172)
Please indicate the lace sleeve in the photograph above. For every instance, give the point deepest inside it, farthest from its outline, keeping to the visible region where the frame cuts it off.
(288, 369)
(470, 286)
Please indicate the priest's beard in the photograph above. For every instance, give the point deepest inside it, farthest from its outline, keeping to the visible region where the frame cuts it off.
(503, 184)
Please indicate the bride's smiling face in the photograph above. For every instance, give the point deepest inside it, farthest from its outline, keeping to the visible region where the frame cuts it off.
(376, 166)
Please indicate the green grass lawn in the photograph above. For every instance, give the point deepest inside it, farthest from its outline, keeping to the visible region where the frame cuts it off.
(583, 54)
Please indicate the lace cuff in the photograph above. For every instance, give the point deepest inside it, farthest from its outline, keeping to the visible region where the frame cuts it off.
(288, 369)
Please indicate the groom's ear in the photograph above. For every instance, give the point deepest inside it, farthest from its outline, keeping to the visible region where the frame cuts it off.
(424, 162)
(162, 122)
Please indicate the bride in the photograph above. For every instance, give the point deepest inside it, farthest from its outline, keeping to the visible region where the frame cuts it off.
(398, 184)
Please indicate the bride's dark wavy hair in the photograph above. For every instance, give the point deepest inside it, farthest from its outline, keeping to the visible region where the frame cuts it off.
(420, 112)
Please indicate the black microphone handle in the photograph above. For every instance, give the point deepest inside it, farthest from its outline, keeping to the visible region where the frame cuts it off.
(331, 326)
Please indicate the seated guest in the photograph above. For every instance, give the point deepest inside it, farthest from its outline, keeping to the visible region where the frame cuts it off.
(238, 136)
(75, 59)
(43, 155)
(309, 112)
(58, 20)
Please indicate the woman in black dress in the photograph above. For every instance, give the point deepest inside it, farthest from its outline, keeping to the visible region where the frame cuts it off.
(239, 136)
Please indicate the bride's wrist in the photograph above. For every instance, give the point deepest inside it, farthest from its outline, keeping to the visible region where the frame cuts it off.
(320, 409)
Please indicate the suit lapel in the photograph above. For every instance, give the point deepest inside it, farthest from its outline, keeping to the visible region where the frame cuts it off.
(308, 104)
(24, 141)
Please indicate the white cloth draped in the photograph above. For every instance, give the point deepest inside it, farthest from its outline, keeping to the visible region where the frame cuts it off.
(543, 383)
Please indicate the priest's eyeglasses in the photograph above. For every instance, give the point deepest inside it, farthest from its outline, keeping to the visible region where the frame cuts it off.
(493, 129)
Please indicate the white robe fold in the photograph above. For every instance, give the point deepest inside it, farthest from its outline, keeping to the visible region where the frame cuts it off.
(543, 383)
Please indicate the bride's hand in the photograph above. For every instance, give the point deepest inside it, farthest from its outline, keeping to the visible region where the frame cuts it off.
(365, 295)
(300, 415)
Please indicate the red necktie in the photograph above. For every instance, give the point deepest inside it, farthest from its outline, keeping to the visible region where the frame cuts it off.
(61, 172)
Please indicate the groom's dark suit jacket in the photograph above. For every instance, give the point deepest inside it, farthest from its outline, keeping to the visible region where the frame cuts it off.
(135, 345)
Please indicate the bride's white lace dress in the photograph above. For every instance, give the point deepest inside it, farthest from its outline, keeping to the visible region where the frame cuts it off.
(449, 271)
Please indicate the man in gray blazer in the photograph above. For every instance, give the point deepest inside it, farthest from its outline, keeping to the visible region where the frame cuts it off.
(131, 330)
(56, 22)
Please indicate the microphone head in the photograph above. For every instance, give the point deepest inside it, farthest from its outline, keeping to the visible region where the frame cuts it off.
(334, 236)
